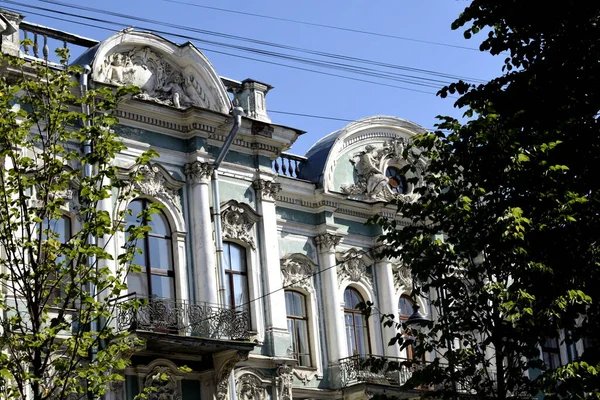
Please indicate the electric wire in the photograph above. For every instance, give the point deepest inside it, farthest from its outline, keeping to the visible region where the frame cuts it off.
(209, 49)
(340, 28)
(265, 43)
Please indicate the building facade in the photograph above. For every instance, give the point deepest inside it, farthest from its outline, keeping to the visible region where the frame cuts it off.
(278, 319)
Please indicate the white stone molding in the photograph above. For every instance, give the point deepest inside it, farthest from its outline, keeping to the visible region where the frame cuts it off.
(238, 222)
(249, 386)
(162, 389)
(224, 366)
(352, 266)
(199, 172)
(155, 182)
(284, 382)
(297, 271)
(370, 165)
(304, 376)
(327, 242)
(268, 190)
(403, 280)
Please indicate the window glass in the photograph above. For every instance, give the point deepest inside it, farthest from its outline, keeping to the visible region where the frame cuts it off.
(396, 180)
(157, 278)
(551, 353)
(357, 329)
(236, 285)
(405, 307)
(298, 326)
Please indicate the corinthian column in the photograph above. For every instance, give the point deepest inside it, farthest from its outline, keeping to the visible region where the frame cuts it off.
(388, 302)
(203, 247)
(277, 334)
(334, 318)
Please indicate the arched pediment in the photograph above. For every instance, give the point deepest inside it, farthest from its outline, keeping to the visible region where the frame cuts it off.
(167, 73)
(354, 160)
(238, 221)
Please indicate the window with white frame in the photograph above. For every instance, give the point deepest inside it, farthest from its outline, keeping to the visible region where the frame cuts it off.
(236, 275)
(357, 327)
(157, 276)
(297, 320)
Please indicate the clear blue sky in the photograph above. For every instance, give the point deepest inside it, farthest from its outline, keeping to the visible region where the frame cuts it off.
(306, 92)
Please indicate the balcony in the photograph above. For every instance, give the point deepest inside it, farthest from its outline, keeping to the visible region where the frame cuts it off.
(390, 371)
(178, 325)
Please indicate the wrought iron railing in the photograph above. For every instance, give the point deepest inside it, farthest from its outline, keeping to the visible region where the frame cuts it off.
(375, 369)
(46, 40)
(204, 320)
(288, 165)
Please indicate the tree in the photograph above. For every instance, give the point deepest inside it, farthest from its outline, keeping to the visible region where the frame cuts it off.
(504, 237)
(59, 291)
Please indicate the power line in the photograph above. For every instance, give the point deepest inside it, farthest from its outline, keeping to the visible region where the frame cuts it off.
(204, 49)
(261, 42)
(340, 28)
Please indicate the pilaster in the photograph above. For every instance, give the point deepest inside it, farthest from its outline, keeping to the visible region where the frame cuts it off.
(203, 248)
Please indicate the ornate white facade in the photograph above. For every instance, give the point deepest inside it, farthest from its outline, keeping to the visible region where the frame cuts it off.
(296, 247)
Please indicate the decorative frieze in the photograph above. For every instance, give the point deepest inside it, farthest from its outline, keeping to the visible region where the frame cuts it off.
(297, 271)
(267, 189)
(198, 172)
(327, 241)
(238, 220)
(353, 266)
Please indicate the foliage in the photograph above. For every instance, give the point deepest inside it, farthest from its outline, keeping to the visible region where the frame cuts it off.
(60, 288)
(504, 237)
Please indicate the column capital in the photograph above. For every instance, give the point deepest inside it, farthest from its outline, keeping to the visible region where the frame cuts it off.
(198, 172)
(327, 241)
(267, 190)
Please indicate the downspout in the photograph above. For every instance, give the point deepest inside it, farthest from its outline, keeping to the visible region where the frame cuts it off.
(237, 115)
(237, 122)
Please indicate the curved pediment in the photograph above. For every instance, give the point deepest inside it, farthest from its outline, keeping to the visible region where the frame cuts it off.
(365, 159)
(175, 75)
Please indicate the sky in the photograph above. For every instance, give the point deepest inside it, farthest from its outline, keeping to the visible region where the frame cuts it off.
(412, 27)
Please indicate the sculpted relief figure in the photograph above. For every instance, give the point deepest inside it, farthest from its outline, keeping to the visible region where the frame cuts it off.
(159, 80)
(372, 182)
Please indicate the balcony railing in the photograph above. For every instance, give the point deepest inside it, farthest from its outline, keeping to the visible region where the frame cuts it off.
(46, 40)
(203, 320)
(288, 165)
(374, 369)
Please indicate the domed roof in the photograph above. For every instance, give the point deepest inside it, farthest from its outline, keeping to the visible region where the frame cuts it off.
(324, 155)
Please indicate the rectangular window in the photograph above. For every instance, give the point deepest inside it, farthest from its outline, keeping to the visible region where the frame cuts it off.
(551, 353)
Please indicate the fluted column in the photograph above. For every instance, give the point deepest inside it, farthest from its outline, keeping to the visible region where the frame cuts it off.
(203, 247)
(334, 318)
(387, 301)
(277, 336)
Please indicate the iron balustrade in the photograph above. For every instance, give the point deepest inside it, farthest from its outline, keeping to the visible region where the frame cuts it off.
(288, 165)
(375, 369)
(204, 320)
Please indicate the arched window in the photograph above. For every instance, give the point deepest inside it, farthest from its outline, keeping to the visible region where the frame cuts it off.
(396, 180)
(405, 308)
(297, 320)
(157, 278)
(236, 275)
(357, 328)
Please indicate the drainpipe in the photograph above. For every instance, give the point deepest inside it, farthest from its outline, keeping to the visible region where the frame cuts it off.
(237, 122)
(237, 115)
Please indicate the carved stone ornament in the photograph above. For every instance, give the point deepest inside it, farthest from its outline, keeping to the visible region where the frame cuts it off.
(117, 390)
(327, 241)
(284, 382)
(304, 376)
(159, 80)
(353, 266)
(370, 165)
(297, 271)
(268, 189)
(238, 220)
(250, 387)
(403, 279)
(222, 378)
(157, 182)
(163, 383)
(198, 172)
